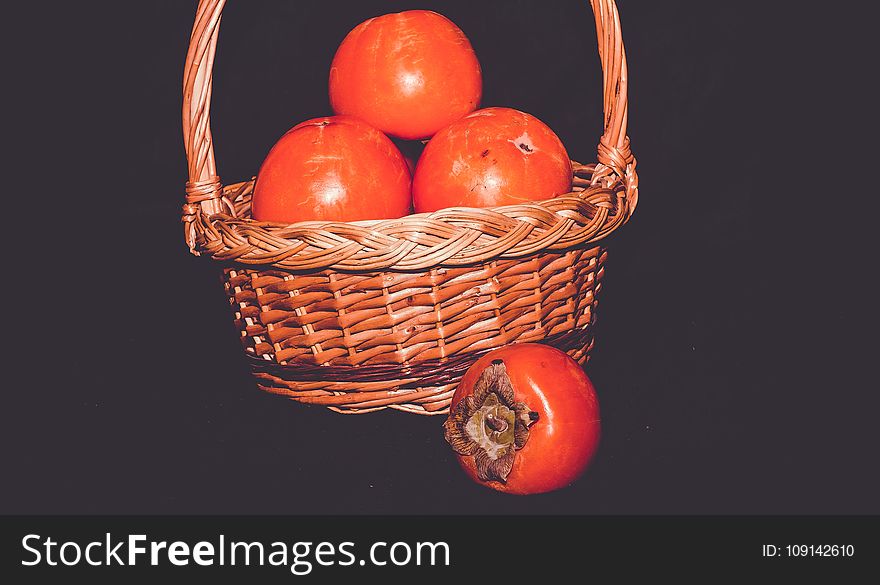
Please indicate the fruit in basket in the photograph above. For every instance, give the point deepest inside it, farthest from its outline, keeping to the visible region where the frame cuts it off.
(409, 74)
(524, 420)
(336, 168)
(489, 158)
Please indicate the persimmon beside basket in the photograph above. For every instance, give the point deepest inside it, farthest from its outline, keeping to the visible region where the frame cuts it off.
(362, 316)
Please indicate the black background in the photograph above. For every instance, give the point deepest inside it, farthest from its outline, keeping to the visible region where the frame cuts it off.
(732, 325)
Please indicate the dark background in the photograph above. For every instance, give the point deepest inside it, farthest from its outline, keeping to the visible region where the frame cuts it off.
(732, 323)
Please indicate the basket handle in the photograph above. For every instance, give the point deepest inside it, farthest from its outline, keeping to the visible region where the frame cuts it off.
(614, 149)
(204, 190)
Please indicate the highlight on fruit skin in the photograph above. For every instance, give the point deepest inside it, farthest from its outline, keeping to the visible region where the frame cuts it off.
(336, 168)
(524, 420)
(490, 158)
(407, 73)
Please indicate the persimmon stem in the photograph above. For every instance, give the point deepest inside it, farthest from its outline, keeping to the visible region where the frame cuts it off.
(496, 424)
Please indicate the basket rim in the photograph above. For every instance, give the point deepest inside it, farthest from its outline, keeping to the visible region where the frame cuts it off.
(451, 237)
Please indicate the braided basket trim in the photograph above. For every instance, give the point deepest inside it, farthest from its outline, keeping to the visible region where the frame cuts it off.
(450, 237)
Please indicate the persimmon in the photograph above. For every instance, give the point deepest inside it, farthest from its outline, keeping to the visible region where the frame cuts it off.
(489, 158)
(408, 73)
(524, 420)
(335, 168)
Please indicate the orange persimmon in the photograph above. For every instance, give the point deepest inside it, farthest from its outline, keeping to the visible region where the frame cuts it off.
(408, 74)
(336, 168)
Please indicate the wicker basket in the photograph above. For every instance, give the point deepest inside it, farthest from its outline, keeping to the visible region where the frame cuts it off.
(369, 315)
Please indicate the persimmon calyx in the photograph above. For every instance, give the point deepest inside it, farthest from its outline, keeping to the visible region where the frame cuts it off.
(490, 425)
